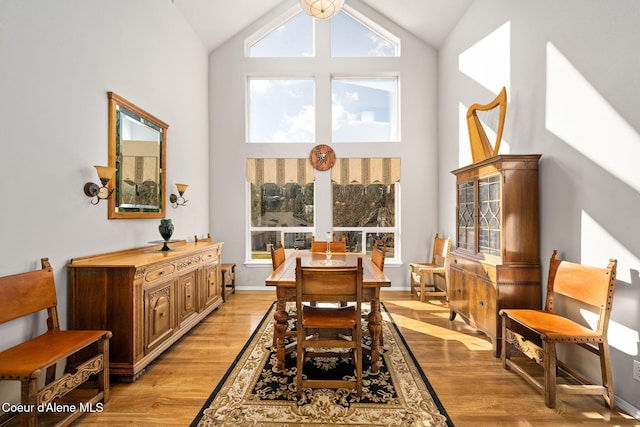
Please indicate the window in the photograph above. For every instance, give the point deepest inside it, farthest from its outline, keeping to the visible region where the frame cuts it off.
(281, 110)
(351, 37)
(359, 201)
(364, 109)
(293, 38)
(365, 203)
(282, 204)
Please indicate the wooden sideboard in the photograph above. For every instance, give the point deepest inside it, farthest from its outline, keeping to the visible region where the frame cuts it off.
(146, 297)
(495, 263)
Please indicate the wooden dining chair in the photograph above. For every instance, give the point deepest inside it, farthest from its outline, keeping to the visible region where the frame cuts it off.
(337, 246)
(378, 255)
(432, 274)
(321, 330)
(535, 333)
(277, 256)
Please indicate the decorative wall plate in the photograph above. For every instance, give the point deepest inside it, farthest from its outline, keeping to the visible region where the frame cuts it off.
(322, 157)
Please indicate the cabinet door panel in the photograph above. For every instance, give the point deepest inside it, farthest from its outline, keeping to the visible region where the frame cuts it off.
(484, 306)
(459, 292)
(212, 290)
(186, 296)
(159, 318)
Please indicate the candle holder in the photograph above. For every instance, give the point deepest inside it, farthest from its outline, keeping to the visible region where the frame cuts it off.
(328, 252)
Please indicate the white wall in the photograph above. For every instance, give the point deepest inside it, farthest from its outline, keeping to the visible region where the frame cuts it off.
(572, 68)
(418, 149)
(57, 62)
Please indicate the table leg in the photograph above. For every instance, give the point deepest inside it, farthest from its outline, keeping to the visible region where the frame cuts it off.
(280, 330)
(375, 329)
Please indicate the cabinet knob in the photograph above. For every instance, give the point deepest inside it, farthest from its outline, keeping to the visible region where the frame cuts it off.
(481, 303)
(455, 261)
(486, 272)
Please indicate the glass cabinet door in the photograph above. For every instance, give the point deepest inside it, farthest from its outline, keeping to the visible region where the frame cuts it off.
(466, 217)
(489, 226)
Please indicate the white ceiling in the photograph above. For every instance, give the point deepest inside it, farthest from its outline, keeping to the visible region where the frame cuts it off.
(216, 21)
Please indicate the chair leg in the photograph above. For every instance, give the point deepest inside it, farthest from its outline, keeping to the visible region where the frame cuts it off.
(411, 282)
(504, 354)
(422, 286)
(29, 397)
(103, 376)
(550, 367)
(358, 356)
(607, 379)
(299, 363)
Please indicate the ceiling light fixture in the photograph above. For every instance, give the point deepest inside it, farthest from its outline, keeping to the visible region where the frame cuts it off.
(321, 9)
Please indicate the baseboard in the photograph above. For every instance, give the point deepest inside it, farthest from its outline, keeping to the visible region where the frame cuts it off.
(628, 408)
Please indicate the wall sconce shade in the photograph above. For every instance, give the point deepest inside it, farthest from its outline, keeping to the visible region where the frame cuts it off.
(321, 9)
(105, 173)
(179, 200)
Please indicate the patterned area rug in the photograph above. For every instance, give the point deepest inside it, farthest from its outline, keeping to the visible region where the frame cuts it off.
(254, 393)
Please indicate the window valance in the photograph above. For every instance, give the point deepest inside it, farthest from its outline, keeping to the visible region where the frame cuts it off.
(279, 171)
(366, 171)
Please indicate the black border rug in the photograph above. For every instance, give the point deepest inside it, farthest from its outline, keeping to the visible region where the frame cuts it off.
(253, 393)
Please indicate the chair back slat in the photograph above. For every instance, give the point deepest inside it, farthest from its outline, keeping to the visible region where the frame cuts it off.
(441, 248)
(277, 256)
(26, 293)
(378, 254)
(336, 246)
(590, 285)
(328, 284)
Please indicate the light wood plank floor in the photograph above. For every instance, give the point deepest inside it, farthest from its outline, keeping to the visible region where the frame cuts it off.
(473, 387)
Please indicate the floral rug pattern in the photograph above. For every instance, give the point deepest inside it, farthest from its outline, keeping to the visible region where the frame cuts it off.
(254, 393)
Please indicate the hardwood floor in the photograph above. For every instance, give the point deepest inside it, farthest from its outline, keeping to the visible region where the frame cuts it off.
(471, 384)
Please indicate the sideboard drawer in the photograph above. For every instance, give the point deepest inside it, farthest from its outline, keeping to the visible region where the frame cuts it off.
(479, 268)
(209, 255)
(159, 273)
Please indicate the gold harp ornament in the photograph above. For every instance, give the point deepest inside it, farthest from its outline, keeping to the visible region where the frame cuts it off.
(481, 148)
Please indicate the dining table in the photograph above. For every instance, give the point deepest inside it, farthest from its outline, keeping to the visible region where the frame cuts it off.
(283, 279)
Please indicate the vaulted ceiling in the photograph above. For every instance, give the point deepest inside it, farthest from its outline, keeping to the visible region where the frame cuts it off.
(216, 21)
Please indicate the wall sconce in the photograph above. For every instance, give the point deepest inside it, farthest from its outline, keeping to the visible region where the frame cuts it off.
(179, 200)
(100, 192)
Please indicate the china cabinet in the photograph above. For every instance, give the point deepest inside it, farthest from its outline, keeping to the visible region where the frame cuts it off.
(495, 263)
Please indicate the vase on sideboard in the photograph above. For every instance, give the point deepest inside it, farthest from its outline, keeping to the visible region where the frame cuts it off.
(166, 231)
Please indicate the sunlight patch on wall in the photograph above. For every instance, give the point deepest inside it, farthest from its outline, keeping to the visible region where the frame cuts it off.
(488, 61)
(582, 118)
(597, 247)
(620, 337)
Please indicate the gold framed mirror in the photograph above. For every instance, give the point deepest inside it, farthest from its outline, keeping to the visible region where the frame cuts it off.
(137, 149)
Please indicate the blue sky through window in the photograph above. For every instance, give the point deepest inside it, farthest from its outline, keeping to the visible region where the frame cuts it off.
(364, 109)
(294, 38)
(350, 38)
(281, 110)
